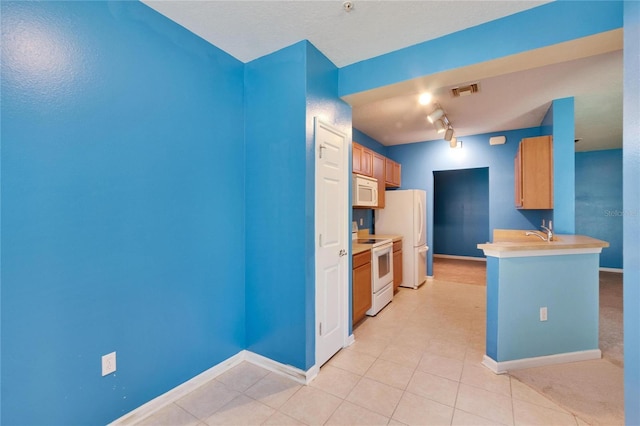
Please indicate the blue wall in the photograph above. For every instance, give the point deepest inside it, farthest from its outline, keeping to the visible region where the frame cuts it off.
(563, 124)
(515, 294)
(275, 88)
(122, 208)
(461, 211)
(284, 92)
(599, 208)
(420, 160)
(631, 219)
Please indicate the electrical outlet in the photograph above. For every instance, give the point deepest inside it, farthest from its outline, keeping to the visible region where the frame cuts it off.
(543, 313)
(108, 363)
(361, 221)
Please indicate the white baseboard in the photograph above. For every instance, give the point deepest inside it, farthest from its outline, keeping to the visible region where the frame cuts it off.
(450, 256)
(616, 270)
(146, 410)
(540, 361)
(300, 376)
(350, 340)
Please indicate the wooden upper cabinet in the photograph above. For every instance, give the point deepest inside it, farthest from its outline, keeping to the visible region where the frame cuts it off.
(379, 173)
(533, 172)
(393, 173)
(362, 160)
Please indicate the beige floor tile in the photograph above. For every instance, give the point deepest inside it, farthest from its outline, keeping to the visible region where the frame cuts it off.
(434, 387)
(351, 414)
(171, 415)
(485, 404)
(311, 406)
(207, 399)
(462, 418)
(369, 345)
(394, 422)
(416, 410)
(242, 376)
(581, 422)
(524, 393)
(352, 361)
(241, 411)
(477, 375)
(447, 349)
(448, 368)
(335, 381)
(279, 418)
(402, 355)
(525, 413)
(474, 354)
(390, 373)
(375, 396)
(273, 390)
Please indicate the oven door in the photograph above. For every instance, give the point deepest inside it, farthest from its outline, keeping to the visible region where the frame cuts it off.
(382, 266)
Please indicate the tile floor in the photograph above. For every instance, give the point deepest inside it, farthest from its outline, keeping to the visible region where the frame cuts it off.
(415, 363)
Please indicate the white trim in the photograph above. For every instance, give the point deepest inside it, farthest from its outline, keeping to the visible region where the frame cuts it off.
(616, 270)
(429, 277)
(289, 371)
(542, 252)
(156, 404)
(179, 391)
(517, 364)
(450, 256)
(350, 340)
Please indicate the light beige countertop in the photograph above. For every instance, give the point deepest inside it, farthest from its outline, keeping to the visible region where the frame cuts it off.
(511, 240)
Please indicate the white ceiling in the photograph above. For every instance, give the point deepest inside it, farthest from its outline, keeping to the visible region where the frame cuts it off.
(514, 93)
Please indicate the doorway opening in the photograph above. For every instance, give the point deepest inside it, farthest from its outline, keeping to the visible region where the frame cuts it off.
(460, 222)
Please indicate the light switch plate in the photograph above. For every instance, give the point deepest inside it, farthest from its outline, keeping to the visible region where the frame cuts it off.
(543, 313)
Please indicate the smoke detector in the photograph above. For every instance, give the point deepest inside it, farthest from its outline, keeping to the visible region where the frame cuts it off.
(467, 90)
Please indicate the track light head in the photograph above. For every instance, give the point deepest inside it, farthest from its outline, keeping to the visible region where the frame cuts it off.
(435, 115)
(448, 134)
(440, 127)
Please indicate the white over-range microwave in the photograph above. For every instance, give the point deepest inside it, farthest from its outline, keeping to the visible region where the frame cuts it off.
(364, 192)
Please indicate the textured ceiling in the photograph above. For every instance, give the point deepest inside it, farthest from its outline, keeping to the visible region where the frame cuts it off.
(509, 98)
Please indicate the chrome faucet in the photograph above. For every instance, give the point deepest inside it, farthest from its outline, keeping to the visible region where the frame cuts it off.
(536, 234)
(549, 230)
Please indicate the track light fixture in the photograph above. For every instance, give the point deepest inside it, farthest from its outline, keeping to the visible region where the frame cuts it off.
(435, 115)
(448, 134)
(440, 127)
(453, 143)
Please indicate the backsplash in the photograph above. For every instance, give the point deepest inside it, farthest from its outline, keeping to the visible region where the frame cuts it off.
(364, 215)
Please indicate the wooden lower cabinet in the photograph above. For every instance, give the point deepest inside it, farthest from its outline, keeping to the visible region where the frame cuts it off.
(397, 265)
(361, 297)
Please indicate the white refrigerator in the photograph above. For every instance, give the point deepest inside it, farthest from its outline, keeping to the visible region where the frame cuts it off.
(405, 213)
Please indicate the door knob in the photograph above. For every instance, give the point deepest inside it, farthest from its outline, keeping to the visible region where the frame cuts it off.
(342, 252)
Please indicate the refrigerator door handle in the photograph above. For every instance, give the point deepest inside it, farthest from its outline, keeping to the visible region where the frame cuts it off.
(420, 221)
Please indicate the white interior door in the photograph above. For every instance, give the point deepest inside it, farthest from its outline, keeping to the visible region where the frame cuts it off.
(332, 230)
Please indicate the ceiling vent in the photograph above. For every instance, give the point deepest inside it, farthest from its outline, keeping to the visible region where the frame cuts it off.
(470, 89)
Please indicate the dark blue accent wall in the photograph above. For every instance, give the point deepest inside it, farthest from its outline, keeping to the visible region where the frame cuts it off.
(122, 208)
(460, 211)
(599, 208)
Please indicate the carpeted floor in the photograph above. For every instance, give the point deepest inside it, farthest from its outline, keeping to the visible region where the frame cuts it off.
(592, 390)
(460, 271)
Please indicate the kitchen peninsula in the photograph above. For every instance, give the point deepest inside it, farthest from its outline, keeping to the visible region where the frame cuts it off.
(542, 299)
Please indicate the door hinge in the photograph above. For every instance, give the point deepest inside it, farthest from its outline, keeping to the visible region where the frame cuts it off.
(320, 330)
(320, 240)
(321, 148)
